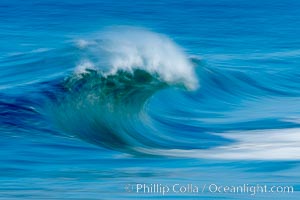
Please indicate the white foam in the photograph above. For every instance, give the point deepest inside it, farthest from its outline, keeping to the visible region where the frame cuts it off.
(132, 48)
(249, 145)
(81, 43)
(83, 66)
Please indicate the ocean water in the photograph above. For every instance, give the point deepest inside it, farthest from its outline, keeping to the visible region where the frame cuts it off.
(149, 99)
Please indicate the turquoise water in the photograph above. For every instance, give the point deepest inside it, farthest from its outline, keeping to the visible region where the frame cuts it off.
(124, 100)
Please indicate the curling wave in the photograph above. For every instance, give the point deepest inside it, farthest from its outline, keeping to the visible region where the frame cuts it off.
(105, 100)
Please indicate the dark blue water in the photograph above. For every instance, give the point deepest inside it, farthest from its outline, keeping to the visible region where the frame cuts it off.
(97, 97)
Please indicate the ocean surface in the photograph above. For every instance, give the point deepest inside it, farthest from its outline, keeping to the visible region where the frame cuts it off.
(123, 99)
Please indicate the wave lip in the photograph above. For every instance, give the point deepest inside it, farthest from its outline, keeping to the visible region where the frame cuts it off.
(127, 49)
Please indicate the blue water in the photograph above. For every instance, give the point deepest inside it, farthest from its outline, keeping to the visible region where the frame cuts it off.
(97, 95)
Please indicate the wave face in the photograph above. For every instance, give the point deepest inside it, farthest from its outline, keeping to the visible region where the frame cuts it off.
(107, 110)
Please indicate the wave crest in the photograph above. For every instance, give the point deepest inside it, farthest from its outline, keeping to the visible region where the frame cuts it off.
(132, 48)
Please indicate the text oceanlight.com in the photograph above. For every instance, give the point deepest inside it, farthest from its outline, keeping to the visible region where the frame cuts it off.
(176, 188)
